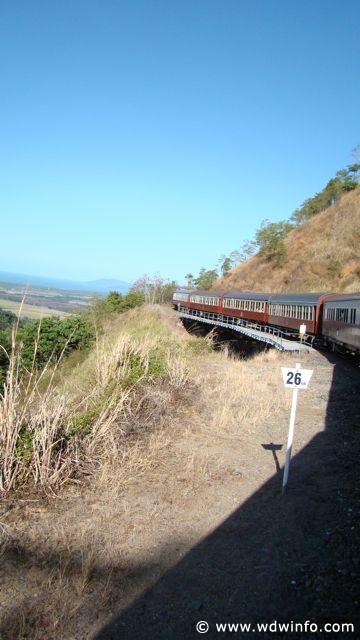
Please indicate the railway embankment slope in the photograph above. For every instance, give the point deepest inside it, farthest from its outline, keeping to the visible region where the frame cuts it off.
(322, 254)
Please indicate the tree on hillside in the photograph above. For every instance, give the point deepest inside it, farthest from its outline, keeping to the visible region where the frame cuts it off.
(154, 288)
(246, 251)
(270, 240)
(115, 301)
(206, 278)
(344, 180)
(225, 264)
(354, 169)
(133, 299)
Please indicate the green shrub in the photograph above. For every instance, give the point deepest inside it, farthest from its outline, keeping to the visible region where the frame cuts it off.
(45, 340)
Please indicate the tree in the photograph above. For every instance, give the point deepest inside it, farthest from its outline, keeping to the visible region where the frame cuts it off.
(344, 180)
(133, 299)
(246, 251)
(206, 278)
(225, 263)
(7, 319)
(190, 279)
(115, 301)
(270, 240)
(355, 170)
(155, 289)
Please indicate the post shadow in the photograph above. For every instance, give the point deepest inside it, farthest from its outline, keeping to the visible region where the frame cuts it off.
(285, 558)
(273, 448)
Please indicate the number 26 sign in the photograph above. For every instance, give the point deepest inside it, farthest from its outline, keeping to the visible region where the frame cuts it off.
(296, 378)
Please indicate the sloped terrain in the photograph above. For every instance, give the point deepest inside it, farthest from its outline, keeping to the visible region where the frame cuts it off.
(323, 254)
(187, 521)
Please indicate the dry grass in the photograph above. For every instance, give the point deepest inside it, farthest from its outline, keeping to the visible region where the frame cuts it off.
(51, 429)
(322, 255)
(247, 392)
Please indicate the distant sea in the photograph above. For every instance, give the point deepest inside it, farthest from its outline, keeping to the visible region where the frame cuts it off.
(96, 286)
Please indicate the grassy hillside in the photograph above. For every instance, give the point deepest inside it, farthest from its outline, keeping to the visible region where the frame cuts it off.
(322, 254)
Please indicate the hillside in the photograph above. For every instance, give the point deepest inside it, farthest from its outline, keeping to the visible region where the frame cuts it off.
(322, 255)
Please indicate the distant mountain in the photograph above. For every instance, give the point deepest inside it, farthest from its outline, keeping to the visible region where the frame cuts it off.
(95, 286)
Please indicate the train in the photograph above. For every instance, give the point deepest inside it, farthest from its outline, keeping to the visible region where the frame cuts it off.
(328, 319)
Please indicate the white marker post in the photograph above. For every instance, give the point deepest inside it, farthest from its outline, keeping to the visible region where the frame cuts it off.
(294, 379)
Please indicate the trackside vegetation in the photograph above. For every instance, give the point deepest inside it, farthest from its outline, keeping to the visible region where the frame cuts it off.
(58, 422)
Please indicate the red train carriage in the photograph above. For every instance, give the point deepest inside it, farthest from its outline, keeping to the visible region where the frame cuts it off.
(341, 321)
(249, 306)
(291, 310)
(205, 301)
(181, 298)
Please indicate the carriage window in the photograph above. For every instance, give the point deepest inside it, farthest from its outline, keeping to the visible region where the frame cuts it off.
(352, 316)
(342, 315)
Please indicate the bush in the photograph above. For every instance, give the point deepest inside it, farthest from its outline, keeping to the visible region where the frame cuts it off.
(46, 340)
(7, 319)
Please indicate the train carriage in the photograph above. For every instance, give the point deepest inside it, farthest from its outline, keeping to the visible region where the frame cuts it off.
(341, 321)
(181, 298)
(205, 301)
(249, 306)
(291, 310)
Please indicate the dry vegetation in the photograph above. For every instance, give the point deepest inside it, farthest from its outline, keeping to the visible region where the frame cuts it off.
(322, 255)
(155, 449)
(54, 427)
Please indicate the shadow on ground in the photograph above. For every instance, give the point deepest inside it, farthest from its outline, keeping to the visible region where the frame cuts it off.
(291, 558)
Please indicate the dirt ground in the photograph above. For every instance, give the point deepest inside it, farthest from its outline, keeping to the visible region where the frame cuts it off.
(200, 530)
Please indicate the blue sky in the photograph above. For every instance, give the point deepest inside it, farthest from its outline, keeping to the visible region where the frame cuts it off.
(143, 136)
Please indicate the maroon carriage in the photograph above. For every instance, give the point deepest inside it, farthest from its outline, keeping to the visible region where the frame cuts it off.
(341, 321)
(292, 310)
(246, 305)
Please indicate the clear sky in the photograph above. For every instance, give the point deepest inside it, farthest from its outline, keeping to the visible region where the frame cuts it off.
(143, 136)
